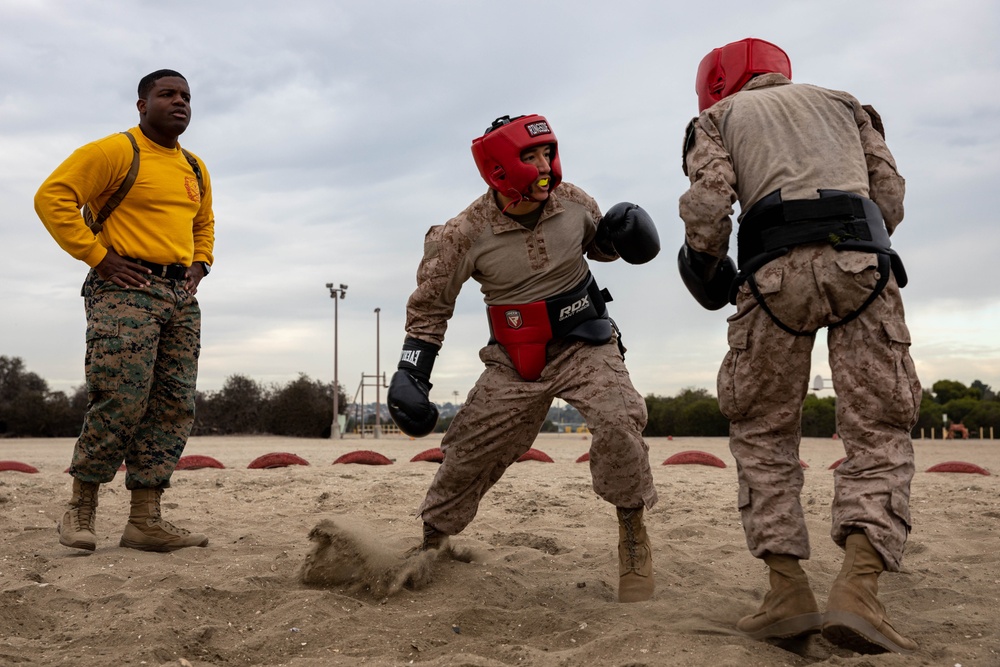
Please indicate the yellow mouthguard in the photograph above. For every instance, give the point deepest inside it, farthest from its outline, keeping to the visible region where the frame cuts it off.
(543, 182)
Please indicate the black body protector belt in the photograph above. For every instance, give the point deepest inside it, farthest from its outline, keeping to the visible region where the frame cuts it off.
(524, 330)
(845, 220)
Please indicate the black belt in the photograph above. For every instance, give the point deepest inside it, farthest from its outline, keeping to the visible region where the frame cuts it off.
(168, 271)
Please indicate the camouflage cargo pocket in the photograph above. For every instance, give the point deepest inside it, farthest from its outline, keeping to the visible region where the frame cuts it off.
(903, 406)
(851, 285)
(900, 503)
(634, 404)
(102, 361)
(732, 380)
(743, 495)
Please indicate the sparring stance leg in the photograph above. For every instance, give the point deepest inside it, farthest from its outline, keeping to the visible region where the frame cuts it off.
(789, 608)
(76, 529)
(855, 618)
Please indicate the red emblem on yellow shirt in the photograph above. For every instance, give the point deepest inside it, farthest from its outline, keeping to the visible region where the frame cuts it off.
(191, 185)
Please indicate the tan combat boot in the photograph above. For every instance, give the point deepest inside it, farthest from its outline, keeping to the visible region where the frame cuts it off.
(635, 557)
(789, 608)
(433, 538)
(148, 531)
(855, 618)
(77, 526)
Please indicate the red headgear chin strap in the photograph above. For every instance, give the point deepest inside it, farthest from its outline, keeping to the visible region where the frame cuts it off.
(498, 154)
(726, 70)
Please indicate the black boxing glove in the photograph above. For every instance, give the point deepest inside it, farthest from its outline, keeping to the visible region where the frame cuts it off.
(628, 231)
(707, 277)
(409, 390)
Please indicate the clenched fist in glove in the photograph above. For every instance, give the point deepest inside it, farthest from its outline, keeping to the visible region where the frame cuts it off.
(628, 231)
(409, 402)
(707, 277)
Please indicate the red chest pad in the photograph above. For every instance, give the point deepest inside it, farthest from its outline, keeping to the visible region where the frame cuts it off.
(523, 331)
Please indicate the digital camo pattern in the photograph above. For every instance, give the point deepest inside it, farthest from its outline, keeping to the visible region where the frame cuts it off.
(141, 367)
(764, 379)
(503, 414)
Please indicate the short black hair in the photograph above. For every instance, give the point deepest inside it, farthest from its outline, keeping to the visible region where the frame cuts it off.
(147, 82)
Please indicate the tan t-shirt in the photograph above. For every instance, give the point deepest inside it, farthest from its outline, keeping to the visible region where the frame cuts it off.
(512, 264)
(772, 135)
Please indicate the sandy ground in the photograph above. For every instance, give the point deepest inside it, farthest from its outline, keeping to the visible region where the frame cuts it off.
(540, 590)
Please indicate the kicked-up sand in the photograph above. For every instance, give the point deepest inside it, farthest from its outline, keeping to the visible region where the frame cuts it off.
(306, 568)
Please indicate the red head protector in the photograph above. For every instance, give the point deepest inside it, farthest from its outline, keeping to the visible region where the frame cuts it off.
(498, 154)
(726, 70)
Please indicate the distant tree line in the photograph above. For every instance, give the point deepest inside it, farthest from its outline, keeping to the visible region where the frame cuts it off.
(304, 407)
(691, 412)
(694, 412)
(28, 409)
(975, 407)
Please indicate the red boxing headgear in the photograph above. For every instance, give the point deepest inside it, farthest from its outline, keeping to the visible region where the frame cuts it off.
(498, 154)
(727, 69)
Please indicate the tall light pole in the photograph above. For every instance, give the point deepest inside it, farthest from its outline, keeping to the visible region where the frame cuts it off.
(378, 379)
(336, 293)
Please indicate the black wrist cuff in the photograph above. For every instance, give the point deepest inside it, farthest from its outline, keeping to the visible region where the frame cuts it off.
(417, 358)
(703, 264)
(603, 239)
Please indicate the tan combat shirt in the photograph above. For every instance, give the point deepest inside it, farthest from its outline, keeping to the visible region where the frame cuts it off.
(512, 264)
(775, 134)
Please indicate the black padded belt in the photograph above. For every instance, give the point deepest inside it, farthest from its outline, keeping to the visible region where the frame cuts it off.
(845, 220)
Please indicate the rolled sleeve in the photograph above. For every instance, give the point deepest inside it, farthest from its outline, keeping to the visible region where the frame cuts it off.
(706, 208)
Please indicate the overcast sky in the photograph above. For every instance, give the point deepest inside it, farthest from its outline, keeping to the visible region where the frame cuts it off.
(336, 133)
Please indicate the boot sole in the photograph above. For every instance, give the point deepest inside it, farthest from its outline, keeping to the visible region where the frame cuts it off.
(158, 548)
(786, 628)
(853, 632)
(78, 544)
(629, 598)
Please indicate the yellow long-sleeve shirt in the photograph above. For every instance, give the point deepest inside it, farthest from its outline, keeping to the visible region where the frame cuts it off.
(162, 219)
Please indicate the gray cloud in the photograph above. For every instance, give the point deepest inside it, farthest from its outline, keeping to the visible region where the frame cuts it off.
(337, 133)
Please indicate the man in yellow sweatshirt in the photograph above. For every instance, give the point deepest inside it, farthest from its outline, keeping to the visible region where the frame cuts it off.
(143, 321)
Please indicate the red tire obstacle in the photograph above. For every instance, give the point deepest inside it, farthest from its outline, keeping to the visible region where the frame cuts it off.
(583, 457)
(17, 466)
(958, 466)
(277, 460)
(535, 455)
(835, 464)
(197, 462)
(434, 455)
(695, 457)
(364, 457)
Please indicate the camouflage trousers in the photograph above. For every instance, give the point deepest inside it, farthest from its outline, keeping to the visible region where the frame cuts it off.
(142, 367)
(764, 380)
(503, 414)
